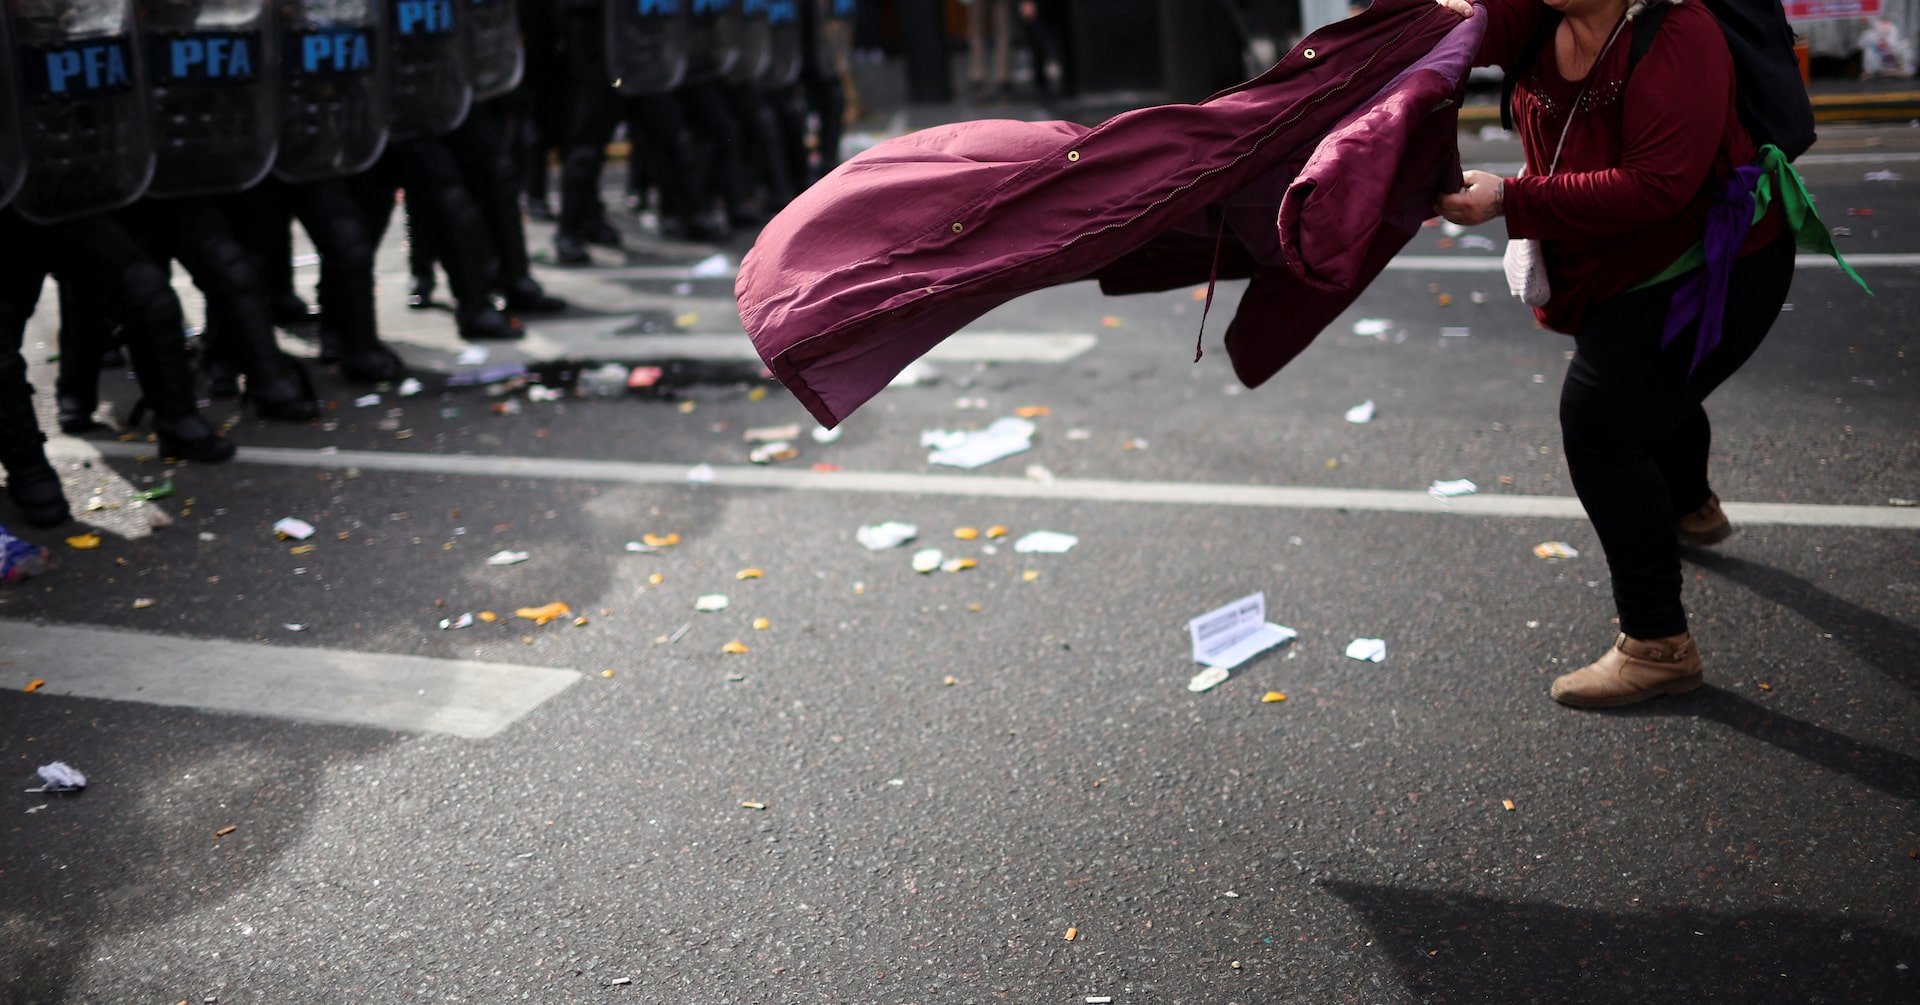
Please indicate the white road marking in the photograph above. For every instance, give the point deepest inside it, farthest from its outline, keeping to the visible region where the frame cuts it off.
(1060, 490)
(594, 339)
(1491, 263)
(378, 690)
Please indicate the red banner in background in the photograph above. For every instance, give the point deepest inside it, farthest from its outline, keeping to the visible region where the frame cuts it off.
(1831, 10)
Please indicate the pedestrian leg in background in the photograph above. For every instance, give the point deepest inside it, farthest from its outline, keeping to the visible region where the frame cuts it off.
(105, 265)
(32, 483)
(1636, 441)
(479, 147)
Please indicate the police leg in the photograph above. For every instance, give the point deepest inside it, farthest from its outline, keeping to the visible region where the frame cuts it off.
(337, 223)
(32, 483)
(86, 335)
(436, 191)
(486, 164)
(661, 137)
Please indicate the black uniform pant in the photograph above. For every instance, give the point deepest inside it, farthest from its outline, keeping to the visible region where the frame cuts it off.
(438, 199)
(1637, 436)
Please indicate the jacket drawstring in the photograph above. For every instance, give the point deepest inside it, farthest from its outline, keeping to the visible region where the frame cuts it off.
(1213, 275)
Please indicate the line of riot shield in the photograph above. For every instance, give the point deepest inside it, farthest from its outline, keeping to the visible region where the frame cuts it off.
(647, 45)
(756, 44)
(83, 114)
(832, 32)
(210, 89)
(715, 31)
(432, 84)
(13, 155)
(333, 95)
(783, 42)
(494, 50)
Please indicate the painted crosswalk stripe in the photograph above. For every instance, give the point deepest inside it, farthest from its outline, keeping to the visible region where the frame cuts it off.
(1061, 490)
(377, 690)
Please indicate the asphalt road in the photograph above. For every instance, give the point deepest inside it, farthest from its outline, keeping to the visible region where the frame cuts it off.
(992, 784)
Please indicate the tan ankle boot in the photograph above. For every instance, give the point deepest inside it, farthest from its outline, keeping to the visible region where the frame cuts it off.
(1632, 671)
(1705, 526)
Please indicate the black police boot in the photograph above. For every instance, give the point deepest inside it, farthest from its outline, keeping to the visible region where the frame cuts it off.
(278, 388)
(31, 481)
(525, 296)
(76, 391)
(539, 209)
(485, 323)
(599, 232)
(289, 310)
(166, 384)
(420, 296)
(570, 250)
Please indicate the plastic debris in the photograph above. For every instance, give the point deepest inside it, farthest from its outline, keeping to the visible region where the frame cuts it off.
(489, 617)
(293, 627)
(822, 434)
(970, 404)
(410, 387)
(1449, 489)
(1032, 411)
(966, 533)
(1881, 176)
(507, 558)
(700, 473)
(996, 531)
(644, 376)
(463, 621)
(1362, 413)
(1208, 679)
(1367, 650)
(826, 468)
(686, 407)
(1374, 327)
(542, 615)
(926, 560)
(142, 603)
(660, 540)
(224, 831)
(1272, 697)
(160, 491)
(772, 452)
(1134, 444)
(541, 392)
(1495, 133)
(761, 624)
(366, 401)
(157, 518)
(1556, 549)
(294, 528)
(1446, 300)
(957, 564)
(59, 777)
(1006, 437)
(735, 647)
(773, 434)
(711, 602)
(1079, 434)
(712, 267)
(84, 542)
(748, 574)
(1029, 575)
(1072, 934)
(656, 579)
(1045, 542)
(1099, 999)
(35, 684)
(1228, 636)
(1455, 331)
(881, 536)
(1507, 804)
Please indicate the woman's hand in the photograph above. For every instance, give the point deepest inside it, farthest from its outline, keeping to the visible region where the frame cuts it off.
(1460, 7)
(1478, 201)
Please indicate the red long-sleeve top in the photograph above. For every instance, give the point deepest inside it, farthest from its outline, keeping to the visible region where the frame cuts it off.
(1630, 193)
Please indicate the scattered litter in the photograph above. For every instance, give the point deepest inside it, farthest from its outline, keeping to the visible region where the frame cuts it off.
(822, 434)
(641, 549)
(686, 319)
(957, 564)
(1079, 434)
(656, 579)
(773, 434)
(1455, 331)
(160, 491)
(700, 473)
(1032, 411)
(686, 407)
(735, 648)
(463, 621)
(410, 387)
(1881, 176)
(1362, 413)
(1029, 575)
(1446, 300)
(996, 531)
(1374, 327)
(881, 536)
(761, 624)
(1099, 999)
(1843, 231)
(914, 374)
(541, 392)
(292, 627)
(489, 617)
(224, 831)
(1039, 473)
(544, 614)
(1507, 804)
(1072, 934)
(749, 574)
(1449, 489)
(1494, 133)
(1134, 444)
(84, 542)
(970, 404)
(926, 560)
(1228, 636)
(1045, 542)
(966, 533)
(1897, 501)
(712, 267)
(59, 777)
(711, 602)
(473, 356)
(1271, 697)
(366, 401)
(142, 603)
(660, 540)
(507, 558)
(1368, 650)
(771, 452)
(608, 673)
(621, 980)
(826, 468)
(1208, 679)
(1110, 321)
(1478, 242)
(294, 528)
(35, 684)
(1477, 297)
(1556, 549)
(1859, 212)
(1004, 438)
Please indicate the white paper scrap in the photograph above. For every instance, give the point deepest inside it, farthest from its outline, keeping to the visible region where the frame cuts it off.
(881, 536)
(700, 473)
(773, 434)
(507, 558)
(1006, 437)
(1228, 636)
(463, 621)
(1362, 413)
(59, 777)
(926, 560)
(473, 356)
(294, 528)
(366, 401)
(1208, 679)
(711, 602)
(1457, 487)
(1369, 650)
(1372, 326)
(1045, 542)
(410, 387)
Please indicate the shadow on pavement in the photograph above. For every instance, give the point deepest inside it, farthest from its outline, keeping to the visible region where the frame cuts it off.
(142, 847)
(1463, 948)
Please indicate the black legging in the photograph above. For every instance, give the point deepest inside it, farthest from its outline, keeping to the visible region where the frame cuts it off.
(1637, 437)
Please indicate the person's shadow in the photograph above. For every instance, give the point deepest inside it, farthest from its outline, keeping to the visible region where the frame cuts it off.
(1888, 646)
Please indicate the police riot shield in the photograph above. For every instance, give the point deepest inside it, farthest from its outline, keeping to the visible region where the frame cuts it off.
(83, 114)
(13, 157)
(714, 34)
(831, 34)
(756, 44)
(333, 88)
(647, 42)
(494, 50)
(783, 42)
(432, 83)
(210, 89)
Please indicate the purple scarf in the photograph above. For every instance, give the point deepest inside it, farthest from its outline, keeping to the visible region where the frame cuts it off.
(1705, 295)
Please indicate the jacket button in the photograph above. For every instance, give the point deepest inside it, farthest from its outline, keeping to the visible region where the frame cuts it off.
(958, 227)
(1073, 155)
(1309, 53)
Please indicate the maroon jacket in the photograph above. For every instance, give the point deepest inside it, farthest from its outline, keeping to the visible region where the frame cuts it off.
(1306, 180)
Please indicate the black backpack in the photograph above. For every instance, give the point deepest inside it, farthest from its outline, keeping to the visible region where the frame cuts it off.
(1768, 92)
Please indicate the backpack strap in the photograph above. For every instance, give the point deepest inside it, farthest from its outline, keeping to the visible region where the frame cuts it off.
(1644, 28)
(1510, 75)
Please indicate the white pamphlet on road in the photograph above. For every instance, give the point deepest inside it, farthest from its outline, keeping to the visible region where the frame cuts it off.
(1229, 636)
